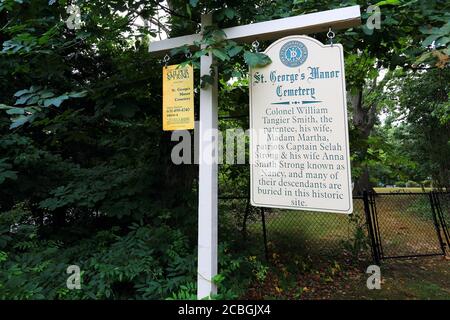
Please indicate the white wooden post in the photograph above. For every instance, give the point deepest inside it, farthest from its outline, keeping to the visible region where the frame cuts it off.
(207, 200)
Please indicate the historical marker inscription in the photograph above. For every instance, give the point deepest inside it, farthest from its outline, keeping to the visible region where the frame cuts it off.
(299, 135)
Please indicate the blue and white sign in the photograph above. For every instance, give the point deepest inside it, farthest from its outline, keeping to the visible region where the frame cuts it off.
(299, 148)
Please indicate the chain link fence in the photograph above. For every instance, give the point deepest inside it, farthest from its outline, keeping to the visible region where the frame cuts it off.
(405, 225)
(443, 214)
(299, 233)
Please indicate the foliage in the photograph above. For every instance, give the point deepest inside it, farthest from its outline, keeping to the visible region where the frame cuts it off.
(358, 242)
(422, 129)
(144, 263)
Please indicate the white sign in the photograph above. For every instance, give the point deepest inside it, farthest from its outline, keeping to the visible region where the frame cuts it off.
(299, 150)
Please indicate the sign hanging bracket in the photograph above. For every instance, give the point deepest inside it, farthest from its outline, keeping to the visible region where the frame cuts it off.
(330, 35)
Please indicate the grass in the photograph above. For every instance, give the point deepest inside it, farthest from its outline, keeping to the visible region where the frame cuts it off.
(421, 278)
(307, 224)
(402, 190)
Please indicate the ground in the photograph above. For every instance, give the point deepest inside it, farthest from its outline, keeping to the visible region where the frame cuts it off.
(419, 278)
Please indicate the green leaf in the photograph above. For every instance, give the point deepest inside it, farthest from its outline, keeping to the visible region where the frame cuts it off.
(79, 94)
(198, 54)
(33, 100)
(229, 13)
(445, 29)
(388, 2)
(189, 11)
(193, 3)
(236, 74)
(24, 98)
(220, 54)
(205, 80)
(429, 40)
(7, 175)
(234, 50)
(423, 57)
(184, 64)
(46, 94)
(256, 59)
(20, 121)
(442, 41)
(13, 111)
(21, 92)
(218, 278)
(183, 49)
(55, 101)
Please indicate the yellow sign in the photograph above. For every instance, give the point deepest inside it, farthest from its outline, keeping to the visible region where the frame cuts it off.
(178, 98)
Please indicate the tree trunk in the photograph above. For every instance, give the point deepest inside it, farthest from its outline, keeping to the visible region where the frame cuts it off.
(363, 118)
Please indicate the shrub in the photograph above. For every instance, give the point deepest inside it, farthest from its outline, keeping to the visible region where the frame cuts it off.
(400, 184)
(148, 262)
(427, 183)
(412, 184)
(143, 262)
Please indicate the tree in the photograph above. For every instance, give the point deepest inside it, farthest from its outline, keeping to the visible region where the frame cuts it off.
(423, 110)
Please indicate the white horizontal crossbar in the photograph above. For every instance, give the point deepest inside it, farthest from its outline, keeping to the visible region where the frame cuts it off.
(341, 18)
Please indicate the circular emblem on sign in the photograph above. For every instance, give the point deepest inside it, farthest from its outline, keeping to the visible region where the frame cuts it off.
(293, 53)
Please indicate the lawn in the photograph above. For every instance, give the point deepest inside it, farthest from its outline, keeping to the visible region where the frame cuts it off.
(402, 190)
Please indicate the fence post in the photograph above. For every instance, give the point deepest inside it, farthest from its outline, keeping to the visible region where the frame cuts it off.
(370, 227)
(263, 218)
(440, 215)
(376, 225)
(244, 222)
(436, 223)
